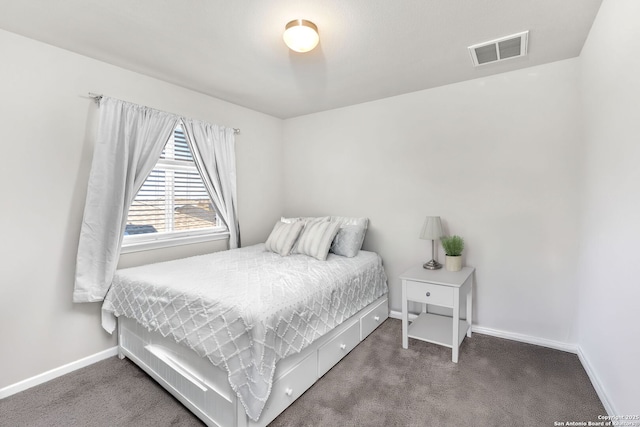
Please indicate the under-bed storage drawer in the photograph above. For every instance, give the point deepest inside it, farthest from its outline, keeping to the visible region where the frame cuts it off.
(338, 347)
(373, 318)
(189, 384)
(165, 365)
(288, 388)
(188, 376)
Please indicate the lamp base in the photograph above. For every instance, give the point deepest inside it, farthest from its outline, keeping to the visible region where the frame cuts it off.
(432, 265)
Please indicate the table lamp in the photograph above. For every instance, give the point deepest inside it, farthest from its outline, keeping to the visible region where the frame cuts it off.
(432, 230)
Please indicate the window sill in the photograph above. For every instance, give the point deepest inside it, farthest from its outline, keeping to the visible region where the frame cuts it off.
(174, 241)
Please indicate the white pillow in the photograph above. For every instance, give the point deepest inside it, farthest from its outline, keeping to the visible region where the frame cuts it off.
(283, 236)
(305, 219)
(316, 239)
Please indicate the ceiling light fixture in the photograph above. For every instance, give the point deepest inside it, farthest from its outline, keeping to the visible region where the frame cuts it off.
(301, 35)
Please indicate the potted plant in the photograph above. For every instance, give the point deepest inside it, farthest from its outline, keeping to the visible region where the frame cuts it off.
(453, 246)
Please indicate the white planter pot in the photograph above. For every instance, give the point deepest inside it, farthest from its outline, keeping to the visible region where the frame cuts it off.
(453, 263)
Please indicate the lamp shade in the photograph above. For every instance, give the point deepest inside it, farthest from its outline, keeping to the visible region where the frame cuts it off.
(432, 228)
(301, 35)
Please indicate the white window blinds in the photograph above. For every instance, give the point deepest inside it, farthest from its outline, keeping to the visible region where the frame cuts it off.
(173, 198)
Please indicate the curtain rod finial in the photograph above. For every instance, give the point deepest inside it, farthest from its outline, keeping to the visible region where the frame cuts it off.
(96, 97)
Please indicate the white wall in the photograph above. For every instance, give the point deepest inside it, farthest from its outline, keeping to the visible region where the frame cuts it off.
(47, 127)
(494, 157)
(609, 286)
(537, 169)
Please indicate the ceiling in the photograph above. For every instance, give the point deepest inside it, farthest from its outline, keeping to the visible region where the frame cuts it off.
(369, 49)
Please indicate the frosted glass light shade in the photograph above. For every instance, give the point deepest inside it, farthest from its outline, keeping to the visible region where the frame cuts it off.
(432, 228)
(301, 35)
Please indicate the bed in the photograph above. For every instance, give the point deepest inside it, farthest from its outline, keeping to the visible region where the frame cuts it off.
(238, 335)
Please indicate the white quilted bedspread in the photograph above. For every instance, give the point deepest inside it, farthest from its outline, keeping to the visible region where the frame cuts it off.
(245, 309)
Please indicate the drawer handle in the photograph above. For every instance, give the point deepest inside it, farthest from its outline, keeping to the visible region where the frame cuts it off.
(187, 374)
(343, 346)
(428, 294)
(377, 318)
(288, 391)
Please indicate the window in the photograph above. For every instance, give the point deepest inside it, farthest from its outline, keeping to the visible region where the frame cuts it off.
(173, 204)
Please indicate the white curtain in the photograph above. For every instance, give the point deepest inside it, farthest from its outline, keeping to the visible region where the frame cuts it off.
(130, 140)
(213, 150)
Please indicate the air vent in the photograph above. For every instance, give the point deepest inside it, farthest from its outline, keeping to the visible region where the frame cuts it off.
(500, 49)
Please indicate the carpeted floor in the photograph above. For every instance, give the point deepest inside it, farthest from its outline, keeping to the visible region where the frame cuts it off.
(497, 383)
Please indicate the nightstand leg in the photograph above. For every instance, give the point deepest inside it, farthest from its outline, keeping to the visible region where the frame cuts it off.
(456, 325)
(405, 317)
(470, 307)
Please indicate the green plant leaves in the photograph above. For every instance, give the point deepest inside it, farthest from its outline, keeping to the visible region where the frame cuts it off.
(453, 245)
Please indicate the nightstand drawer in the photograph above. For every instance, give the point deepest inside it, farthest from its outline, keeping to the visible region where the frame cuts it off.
(429, 293)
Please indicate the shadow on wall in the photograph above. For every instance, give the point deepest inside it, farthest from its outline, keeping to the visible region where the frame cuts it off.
(76, 213)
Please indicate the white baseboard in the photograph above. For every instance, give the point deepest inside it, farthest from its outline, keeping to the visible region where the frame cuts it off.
(397, 315)
(557, 345)
(529, 339)
(597, 385)
(56, 372)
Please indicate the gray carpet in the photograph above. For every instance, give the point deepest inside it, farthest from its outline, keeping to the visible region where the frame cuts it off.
(497, 383)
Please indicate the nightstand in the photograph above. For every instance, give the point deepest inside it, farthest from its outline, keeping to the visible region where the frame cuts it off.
(442, 288)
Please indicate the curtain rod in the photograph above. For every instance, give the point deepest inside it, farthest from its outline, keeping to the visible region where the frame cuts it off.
(97, 97)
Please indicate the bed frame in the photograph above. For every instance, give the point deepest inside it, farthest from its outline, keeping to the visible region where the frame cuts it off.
(204, 388)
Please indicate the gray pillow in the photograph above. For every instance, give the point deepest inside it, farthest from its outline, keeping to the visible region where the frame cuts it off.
(348, 241)
(283, 236)
(350, 237)
(316, 239)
